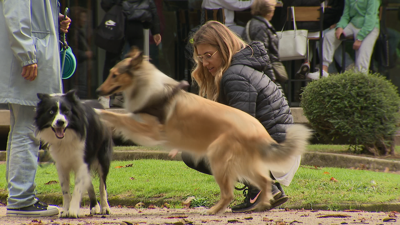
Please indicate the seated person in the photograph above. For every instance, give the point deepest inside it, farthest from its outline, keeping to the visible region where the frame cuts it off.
(229, 6)
(360, 20)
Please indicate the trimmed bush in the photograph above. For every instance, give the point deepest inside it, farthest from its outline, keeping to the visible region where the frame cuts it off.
(361, 108)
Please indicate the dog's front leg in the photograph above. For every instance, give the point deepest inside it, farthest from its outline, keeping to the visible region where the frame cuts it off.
(63, 177)
(82, 179)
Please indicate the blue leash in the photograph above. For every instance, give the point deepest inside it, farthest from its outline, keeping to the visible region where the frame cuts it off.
(67, 57)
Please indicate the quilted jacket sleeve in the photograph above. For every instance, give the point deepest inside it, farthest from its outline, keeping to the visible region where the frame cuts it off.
(239, 92)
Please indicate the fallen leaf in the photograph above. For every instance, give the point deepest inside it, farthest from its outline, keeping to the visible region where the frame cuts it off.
(265, 219)
(178, 223)
(352, 210)
(132, 178)
(152, 207)
(129, 165)
(51, 182)
(389, 219)
(139, 205)
(295, 221)
(177, 217)
(334, 216)
(233, 221)
(127, 223)
(392, 214)
(333, 179)
(248, 218)
(166, 205)
(326, 172)
(187, 202)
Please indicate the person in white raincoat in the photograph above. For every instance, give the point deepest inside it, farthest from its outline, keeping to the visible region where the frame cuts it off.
(29, 63)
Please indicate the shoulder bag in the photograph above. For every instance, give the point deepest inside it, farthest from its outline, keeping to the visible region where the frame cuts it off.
(293, 44)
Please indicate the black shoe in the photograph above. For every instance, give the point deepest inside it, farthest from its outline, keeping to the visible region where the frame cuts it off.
(303, 71)
(278, 200)
(37, 209)
(251, 198)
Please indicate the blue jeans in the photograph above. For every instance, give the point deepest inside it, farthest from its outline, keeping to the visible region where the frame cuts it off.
(22, 157)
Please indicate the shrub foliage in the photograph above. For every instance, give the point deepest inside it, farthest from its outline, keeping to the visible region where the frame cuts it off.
(362, 108)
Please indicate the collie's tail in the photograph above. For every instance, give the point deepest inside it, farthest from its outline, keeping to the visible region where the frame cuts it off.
(296, 141)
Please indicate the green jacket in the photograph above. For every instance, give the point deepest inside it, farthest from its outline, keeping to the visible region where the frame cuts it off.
(363, 14)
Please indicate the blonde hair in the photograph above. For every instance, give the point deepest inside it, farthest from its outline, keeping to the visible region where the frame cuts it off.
(227, 43)
(262, 7)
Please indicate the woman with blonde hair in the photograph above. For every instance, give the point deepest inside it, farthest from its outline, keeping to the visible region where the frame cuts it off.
(231, 72)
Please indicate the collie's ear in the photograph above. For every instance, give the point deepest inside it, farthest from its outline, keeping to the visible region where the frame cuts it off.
(42, 96)
(71, 96)
(136, 57)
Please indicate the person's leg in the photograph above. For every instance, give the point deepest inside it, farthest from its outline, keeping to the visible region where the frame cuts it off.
(22, 156)
(338, 58)
(201, 165)
(331, 43)
(364, 53)
(21, 165)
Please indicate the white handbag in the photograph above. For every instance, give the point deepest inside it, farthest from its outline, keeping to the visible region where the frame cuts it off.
(293, 44)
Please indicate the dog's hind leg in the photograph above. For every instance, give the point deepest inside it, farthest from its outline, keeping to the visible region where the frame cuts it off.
(105, 208)
(94, 205)
(263, 182)
(104, 159)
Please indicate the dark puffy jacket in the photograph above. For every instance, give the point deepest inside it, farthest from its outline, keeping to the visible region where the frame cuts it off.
(262, 30)
(245, 87)
(154, 25)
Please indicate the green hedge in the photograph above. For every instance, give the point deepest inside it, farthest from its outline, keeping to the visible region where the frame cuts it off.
(361, 108)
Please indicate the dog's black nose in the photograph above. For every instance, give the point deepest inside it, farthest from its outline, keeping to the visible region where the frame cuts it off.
(60, 123)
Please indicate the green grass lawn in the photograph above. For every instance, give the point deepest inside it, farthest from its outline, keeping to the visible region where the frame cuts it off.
(173, 182)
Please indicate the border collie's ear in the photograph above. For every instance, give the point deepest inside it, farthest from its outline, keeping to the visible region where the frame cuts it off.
(42, 96)
(71, 96)
(136, 57)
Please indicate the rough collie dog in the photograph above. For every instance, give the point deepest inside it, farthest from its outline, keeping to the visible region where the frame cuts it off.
(79, 142)
(236, 144)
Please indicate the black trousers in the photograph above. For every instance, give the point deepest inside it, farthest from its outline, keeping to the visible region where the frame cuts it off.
(202, 165)
(134, 36)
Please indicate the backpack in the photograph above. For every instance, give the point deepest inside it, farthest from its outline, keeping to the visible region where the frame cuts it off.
(109, 35)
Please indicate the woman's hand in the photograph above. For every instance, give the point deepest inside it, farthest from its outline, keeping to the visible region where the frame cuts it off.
(29, 72)
(357, 44)
(338, 32)
(64, 23)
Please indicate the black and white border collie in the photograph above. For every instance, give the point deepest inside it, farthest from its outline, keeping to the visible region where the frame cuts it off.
(79, 142)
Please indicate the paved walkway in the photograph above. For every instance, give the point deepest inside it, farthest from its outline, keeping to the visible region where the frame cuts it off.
(126, 216)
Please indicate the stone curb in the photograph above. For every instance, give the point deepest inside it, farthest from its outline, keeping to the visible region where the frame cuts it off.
(318, 159)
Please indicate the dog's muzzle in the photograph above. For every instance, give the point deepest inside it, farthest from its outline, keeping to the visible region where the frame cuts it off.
(59, 129)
